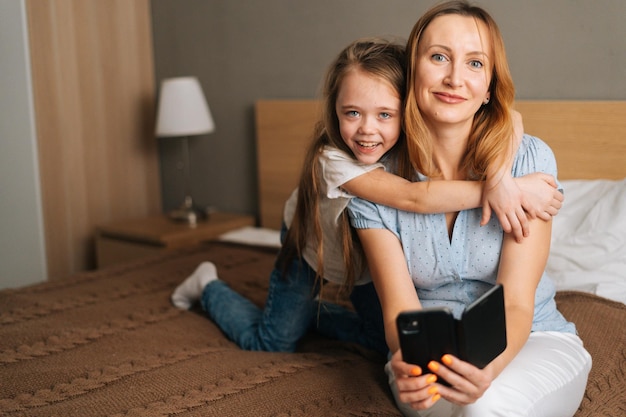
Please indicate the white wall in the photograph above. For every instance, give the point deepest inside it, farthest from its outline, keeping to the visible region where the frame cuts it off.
(22, 247)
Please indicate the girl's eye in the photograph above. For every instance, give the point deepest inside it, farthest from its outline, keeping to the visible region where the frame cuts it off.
(385, 116)
(353, 113)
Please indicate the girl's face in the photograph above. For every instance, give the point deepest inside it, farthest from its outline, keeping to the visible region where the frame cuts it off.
(369, 114)
(454, 62)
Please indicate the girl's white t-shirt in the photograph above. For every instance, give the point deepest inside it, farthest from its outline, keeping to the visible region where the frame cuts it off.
(337, 168)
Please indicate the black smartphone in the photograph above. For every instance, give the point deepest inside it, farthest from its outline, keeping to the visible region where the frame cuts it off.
(478, 337)
(426, 335)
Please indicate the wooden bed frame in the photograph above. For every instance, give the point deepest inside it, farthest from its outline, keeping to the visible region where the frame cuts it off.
(587, 137)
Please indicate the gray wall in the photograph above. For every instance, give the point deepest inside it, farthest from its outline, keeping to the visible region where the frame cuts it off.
(247, 50)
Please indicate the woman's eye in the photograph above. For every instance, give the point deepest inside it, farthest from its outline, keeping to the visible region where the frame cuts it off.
(438, 57)
(476, 64)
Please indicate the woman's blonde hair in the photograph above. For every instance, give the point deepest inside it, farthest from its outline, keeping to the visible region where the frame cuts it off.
(380, 58)
(490, 139)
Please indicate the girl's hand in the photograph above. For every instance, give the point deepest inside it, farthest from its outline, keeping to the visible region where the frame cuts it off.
(505, 198)
(515, 200)
(467, 382)
(502, 195)
(415, 387)
(541, 199)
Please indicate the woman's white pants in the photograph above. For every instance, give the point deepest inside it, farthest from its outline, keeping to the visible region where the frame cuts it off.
(547, 378)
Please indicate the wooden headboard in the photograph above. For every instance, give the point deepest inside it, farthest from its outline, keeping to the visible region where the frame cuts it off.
(587, 137)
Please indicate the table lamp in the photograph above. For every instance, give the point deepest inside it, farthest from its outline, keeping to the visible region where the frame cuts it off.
(183, 112)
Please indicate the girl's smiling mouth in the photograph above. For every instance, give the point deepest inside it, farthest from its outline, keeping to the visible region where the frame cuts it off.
(367, 145)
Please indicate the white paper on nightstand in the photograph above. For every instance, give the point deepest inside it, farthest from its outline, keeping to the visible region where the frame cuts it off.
(257, 236)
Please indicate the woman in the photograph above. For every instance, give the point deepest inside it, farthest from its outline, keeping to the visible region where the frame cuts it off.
(460, 95)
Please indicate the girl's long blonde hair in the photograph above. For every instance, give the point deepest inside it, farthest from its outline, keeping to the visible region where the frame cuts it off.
(377, 57)
(490, 139)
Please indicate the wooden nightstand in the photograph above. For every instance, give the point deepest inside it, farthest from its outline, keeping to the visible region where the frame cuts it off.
(130, 239)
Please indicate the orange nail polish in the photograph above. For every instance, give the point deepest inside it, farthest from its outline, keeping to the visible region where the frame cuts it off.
(431, 379)
(417, 371)
(433, 366)
(436, 398)
(432, 390)
(447, 359)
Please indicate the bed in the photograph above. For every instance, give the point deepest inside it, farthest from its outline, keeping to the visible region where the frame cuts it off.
(109, 342)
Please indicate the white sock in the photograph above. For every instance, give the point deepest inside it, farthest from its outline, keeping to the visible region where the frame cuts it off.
(190, 291)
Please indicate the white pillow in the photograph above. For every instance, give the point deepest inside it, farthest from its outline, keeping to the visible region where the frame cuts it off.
(588, 251)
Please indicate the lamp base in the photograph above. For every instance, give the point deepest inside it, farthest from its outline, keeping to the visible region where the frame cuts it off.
(187, 213)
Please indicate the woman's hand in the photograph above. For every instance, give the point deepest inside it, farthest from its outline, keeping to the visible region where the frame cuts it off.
(542, 198)
(467, 382)
(414, 386)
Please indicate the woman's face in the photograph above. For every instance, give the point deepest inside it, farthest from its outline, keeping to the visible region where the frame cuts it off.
(369, 114)
(454, 62)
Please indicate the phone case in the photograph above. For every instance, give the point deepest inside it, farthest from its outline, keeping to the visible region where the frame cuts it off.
(478, 337)
(482, 329)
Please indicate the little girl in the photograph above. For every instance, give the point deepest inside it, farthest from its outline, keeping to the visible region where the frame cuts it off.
(361, 123)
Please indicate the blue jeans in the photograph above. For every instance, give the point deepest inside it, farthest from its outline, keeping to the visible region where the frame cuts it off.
(290, 311)
(286, 318)
(365, 327)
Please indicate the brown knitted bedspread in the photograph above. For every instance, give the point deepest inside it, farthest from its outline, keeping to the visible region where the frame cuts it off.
(108, 343)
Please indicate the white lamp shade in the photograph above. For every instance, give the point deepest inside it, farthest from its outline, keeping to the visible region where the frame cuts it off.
(183, 110)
